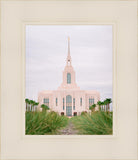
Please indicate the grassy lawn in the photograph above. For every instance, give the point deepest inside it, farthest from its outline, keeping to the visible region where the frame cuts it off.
(96, 123)
(50, 123)
(44, 123)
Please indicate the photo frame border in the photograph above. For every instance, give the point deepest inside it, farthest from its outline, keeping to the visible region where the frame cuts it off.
(38, 21)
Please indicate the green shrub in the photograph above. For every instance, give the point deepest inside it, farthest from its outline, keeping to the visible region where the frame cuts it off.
(83, 113)
(42, 123)
(44, 107)
(97, 123)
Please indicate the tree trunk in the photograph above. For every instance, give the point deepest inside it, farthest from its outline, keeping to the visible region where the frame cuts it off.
(99, 107)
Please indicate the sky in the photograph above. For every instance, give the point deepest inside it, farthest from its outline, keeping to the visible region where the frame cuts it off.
(46, 52)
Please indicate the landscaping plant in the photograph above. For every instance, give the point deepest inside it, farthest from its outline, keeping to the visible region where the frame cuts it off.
(44, 123)
(96, 123)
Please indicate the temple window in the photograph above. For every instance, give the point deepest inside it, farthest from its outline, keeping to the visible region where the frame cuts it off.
(73, 103)
(68, 99)
(69, 105)
(68, 78)
(91, 101)
(63, 104)
(56, 101)
(46, 101)
(80, 101)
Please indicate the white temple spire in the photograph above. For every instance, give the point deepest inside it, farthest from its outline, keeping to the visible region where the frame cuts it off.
(68, 57)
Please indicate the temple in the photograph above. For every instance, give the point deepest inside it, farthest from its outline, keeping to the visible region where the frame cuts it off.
(68, 99)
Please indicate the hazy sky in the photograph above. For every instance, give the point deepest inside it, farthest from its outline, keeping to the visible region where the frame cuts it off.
(46, 52)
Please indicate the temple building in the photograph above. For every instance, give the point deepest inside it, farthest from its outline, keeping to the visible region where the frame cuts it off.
(68, 99)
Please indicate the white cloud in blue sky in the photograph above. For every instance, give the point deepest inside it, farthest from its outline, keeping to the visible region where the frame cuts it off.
(46, 52)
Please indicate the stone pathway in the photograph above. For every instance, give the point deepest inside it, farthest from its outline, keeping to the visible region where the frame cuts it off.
(68, 130)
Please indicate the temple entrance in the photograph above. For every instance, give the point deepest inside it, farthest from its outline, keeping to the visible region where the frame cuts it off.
(68, 105)
(62, 113)
(69, 111)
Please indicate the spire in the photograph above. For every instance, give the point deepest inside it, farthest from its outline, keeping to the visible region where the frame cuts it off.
(68, 46)
(68, 57)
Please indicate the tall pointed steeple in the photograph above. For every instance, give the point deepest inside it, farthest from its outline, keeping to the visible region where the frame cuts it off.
(69, 81)
(68, 57)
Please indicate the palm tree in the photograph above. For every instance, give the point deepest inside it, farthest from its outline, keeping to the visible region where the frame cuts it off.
(29, 105)
(27, 101)
(92, 108)
(44, 107)
(99, 103)
(108, 101)
(102, 103)
(36, 104)
(32, 104)
(105, 103)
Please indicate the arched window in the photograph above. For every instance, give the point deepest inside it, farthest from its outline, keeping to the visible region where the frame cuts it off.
(68, 105)
(68, 99)
(68, 78)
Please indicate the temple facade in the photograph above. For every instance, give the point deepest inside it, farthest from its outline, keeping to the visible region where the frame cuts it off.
(68, 99)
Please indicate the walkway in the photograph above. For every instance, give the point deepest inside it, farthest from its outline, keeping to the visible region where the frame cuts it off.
(69, 130)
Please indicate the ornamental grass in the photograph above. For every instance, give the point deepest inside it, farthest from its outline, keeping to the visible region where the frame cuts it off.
(96, 123)
(44, 123)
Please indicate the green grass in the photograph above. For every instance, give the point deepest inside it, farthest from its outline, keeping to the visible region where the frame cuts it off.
(98, 123)
(44, 123)
(49, 123)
